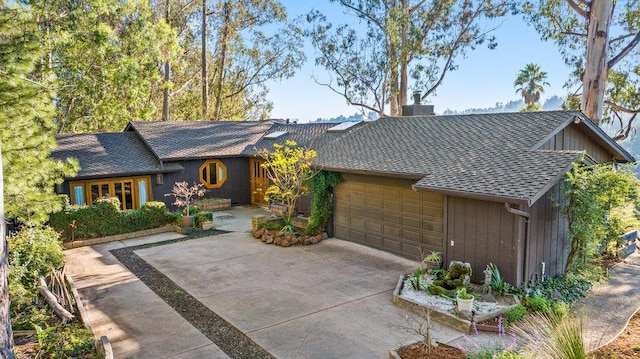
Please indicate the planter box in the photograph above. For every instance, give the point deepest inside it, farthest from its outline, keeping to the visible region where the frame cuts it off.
(213, 204)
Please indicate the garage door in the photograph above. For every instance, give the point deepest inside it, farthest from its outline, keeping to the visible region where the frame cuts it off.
(387, 214)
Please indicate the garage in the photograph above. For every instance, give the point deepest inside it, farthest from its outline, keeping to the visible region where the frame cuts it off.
(385, 213)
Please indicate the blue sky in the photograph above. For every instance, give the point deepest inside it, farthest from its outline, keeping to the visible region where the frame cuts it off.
(483, 78)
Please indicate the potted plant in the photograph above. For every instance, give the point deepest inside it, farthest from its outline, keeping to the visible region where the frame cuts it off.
(184, 196)
(464, 300)
(432, 262)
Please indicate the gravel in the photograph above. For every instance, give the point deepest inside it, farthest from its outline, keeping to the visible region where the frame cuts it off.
(227, 337)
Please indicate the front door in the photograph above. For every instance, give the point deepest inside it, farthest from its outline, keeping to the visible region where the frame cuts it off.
(259, 182)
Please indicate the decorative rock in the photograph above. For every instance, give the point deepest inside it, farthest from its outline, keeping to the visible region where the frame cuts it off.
(264, 237)
(288, 236)
(466, 314)
(295, 240)
(285, 243)
(259, 233)
(269, 239)
(313, 240)
(325, 235)
(306, 241)
(488, 298)
(277, 241)
(319, 237)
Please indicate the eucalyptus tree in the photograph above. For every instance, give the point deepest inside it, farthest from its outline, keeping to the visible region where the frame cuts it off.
(599, 39)
(530, 84)
(371, 62)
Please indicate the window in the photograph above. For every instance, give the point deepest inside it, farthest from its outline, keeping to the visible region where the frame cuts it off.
(213, 174)
(132, 192)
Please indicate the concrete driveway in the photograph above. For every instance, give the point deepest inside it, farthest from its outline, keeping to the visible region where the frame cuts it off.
(329, 300)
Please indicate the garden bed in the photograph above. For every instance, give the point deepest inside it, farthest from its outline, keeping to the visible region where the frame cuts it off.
(213, 204)
(117, 237)
(444, 309)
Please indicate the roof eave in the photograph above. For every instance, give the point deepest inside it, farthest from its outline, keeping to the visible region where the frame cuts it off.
(613, 145)
(412, 176)
(472, 195)
(123, 174)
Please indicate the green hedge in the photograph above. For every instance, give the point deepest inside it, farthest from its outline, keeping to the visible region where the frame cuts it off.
(104, 218)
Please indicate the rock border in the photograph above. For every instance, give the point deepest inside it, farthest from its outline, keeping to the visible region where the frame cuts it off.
(449, 319)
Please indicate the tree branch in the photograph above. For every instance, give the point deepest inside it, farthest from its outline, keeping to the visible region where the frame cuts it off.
(582, 12)
(622, 108)
(624, 52)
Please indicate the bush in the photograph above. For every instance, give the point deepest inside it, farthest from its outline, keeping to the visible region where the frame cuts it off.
(514, 314)
(538, 305)
(561, 290)
(70, 341)
(105, 218)
(202, 217)
(193, 211)
(33, 252)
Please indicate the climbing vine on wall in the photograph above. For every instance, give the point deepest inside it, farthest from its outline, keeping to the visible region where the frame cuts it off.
(321, 185)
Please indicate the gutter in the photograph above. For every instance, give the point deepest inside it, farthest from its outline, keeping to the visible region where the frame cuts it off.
(526, 216)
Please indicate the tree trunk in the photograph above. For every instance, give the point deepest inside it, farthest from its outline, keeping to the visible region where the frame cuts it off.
(404, 81)
(6, 336)
(224, 37)
(205, 86)
(594, 80)
(167, 75)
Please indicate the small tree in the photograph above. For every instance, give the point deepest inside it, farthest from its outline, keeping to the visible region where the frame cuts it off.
(288, 168)
(185, 195)
(591, 193)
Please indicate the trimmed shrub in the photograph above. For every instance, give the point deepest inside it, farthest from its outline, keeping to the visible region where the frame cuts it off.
(538, 305)
(202, 217)
(104, 218)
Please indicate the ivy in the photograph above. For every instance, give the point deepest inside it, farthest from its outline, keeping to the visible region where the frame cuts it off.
(321, 185)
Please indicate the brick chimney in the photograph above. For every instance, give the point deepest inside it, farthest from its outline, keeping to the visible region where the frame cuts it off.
(417, 109)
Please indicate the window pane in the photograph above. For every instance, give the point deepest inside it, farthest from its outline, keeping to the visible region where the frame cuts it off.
(95, 192)
(128, 196)
(142, 192)
(118, 192)
(104, 188)
(213, 179)
(78, 193)
(220, 174)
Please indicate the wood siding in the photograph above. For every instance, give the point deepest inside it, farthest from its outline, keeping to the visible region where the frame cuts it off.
(387, 214)
(547, 240)
(484, 232)
(237, 187)
(571, 138)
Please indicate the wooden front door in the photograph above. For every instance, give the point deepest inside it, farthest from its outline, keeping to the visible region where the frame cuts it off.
(259, 182)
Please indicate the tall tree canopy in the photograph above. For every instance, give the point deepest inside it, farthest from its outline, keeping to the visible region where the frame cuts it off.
(599, 39)
(26, 118)
(529, 84)
(102, 58)
(371, 63)
(251, 42)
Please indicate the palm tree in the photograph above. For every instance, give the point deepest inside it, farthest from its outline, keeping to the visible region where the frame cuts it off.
(529, 84)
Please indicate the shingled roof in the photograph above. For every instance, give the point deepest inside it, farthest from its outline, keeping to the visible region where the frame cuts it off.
(178, 140)
(109, 154)
(309, 135)
(483, 156)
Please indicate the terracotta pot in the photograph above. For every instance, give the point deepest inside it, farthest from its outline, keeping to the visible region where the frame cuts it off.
(187, 221)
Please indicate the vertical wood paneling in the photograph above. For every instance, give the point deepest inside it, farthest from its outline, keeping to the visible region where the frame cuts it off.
(483, 232)
(237, 187)
(571, 138)
(547, 230)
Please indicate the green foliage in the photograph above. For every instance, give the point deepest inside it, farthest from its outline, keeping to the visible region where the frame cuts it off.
(321, 185)
(435, 257)
(203, 216)
(127, 42)
(289, 169)
(513, 315)
(462, 293)
(416, 280)
(33, 252)
(591, 193)
(538, 304)
(497, 284)
(402, 40)
(68, 341)
(550, 337)
(104, 218)
(193, 211)
(28, 130)
(529, 84)
(271, 225)
(566, 290)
